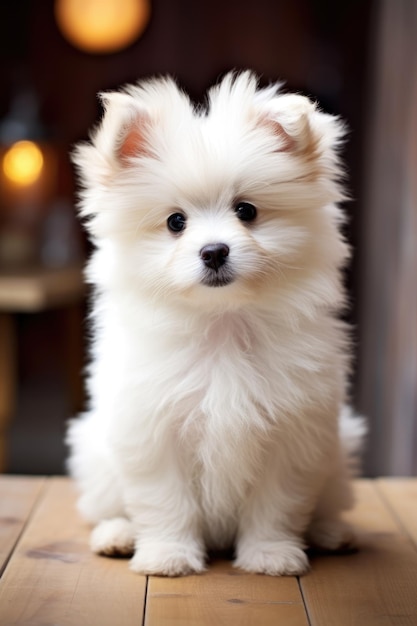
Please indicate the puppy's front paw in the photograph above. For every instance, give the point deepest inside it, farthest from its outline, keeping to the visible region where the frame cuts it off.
(331, 534)
(113, 537)
(167, 559)
(276, 558)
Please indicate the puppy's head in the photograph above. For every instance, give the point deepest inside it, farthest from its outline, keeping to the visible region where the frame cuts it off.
(216, 206)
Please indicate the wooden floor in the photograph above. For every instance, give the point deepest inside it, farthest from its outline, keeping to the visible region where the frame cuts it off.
(50, 578)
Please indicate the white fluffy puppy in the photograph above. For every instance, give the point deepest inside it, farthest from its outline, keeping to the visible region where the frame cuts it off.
(218, 370)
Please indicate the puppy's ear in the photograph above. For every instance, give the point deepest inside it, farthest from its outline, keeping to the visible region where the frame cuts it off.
(284, 142)
(289, 118)
(122, 135)
(301, 128)
(134, 139)
(125, 127)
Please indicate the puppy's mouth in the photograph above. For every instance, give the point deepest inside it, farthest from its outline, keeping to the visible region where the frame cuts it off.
(220, 278)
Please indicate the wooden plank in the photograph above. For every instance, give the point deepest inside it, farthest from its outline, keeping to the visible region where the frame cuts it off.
(225, 597)
(17, 498)
(375, 586)
(401, 496)
(53, 578)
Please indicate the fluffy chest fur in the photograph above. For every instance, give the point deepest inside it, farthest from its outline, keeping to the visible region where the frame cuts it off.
(218, 390)
(246, 364)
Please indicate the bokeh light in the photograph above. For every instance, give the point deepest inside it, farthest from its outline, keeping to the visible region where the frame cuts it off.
(23, 163)
(102, 26)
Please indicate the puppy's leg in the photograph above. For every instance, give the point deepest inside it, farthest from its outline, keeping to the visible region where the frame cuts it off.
(327, 530)
(101, 498)
(91, 466)
(268, 543)
(166, 521)
(113, 537)
(165, 516)
(275, 518)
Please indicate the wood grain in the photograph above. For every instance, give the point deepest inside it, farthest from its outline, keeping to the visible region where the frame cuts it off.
(18, 496)
(401, 497)
(377, 586)
(52, 578)
(224, 596)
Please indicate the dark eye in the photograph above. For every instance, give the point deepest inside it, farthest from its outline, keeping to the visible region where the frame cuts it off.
(245, 211)
(176, 222)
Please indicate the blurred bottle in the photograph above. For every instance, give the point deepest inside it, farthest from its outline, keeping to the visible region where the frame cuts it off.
(60, 241)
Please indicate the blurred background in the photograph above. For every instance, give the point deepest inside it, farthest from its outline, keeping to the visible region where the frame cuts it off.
(357, 58)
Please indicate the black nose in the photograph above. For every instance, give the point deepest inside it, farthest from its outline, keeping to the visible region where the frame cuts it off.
(214, 255)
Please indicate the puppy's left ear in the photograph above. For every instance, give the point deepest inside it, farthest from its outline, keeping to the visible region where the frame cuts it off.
(300, 127)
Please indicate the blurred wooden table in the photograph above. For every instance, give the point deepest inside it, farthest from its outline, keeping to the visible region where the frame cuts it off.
(28, 291)
(49, 575)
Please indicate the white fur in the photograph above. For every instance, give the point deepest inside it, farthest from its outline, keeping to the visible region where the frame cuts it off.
(213, 417)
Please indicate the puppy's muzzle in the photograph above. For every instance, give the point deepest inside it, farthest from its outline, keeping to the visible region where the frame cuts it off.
(214, 255)
(217, 267)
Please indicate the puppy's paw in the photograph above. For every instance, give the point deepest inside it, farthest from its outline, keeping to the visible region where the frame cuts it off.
(276, 558)
(168, 559)
(332, 535)
(113, 537)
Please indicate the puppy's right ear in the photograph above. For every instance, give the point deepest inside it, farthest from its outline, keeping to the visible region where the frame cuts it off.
(125, 127)
(122, 135)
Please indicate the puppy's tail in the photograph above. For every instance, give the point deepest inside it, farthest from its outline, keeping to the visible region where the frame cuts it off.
(352, 431)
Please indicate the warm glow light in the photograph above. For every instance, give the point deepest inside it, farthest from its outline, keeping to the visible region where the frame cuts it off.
(23, 163)
(102, 25)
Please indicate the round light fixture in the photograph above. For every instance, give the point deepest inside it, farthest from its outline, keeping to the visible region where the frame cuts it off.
(23, 163)
(102, 26)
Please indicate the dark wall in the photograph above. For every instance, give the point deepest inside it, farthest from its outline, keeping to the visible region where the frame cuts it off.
(317, 47)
